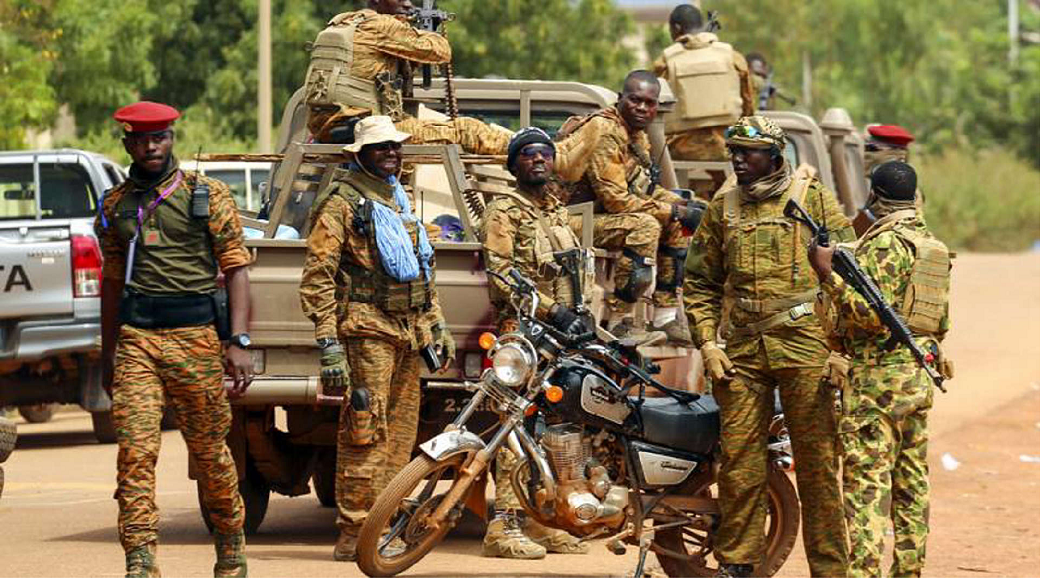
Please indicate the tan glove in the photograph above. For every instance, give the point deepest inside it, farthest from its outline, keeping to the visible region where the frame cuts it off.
(836, 370)
(719, 367)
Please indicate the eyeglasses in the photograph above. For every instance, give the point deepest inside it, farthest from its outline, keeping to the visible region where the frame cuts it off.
(531, 150)
(742, 130)
(385, 146)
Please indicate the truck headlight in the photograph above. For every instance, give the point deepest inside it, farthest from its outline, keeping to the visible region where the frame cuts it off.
(512, 363)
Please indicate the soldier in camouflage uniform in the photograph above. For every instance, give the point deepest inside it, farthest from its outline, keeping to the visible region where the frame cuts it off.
(368, 286)
(884, 429)
(522, 231)
(692, 68)
(358, 66)
(162, 251)
(606, 154)
(748, 254)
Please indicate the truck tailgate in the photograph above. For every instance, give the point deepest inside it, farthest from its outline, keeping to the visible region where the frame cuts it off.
(35, 269)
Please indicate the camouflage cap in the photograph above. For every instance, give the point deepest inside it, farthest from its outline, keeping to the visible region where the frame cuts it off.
(756, 132)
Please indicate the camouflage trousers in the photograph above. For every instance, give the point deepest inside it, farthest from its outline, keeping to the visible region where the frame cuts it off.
(390, 372)
(884, 434)
(701, 144)
(183, 365)
(746, 408)
(643, 235)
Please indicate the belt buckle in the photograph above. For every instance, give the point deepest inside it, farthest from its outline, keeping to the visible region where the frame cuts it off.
(799, 311)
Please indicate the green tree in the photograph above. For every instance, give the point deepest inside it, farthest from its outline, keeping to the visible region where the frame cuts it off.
(27, 100)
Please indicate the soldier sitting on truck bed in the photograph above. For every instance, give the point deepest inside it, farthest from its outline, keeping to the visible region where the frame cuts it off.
(606, 155)
(529, 231)
(359, 63)
(713, 89)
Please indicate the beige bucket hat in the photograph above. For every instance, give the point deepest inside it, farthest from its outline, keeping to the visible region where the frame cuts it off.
(374, 130)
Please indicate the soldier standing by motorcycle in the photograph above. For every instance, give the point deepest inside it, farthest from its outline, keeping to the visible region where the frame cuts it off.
(359, 64)
(368, 286)
(747, 253)
(884, 422)
(525, 231)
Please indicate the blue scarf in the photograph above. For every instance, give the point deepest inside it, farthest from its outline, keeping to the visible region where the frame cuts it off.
(396, 250)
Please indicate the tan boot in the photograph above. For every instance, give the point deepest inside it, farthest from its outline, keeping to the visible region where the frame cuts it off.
(677, 332)
(140, 562)
(626, 330)
(553, 540)
(504, 539)
(346, 548)
(231, 555)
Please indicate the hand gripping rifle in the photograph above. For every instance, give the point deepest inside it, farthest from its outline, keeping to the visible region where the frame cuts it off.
(845, 265)
(432, 19)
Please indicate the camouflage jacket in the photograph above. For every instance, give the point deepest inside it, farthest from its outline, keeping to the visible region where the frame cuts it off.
(753, 260)
(513, 238)
(381, 41)
(334, 239)
(176, 254)
(605, 157)
(887, 255)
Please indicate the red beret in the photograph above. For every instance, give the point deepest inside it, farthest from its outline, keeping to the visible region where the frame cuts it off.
(146, 116)
(891, 133)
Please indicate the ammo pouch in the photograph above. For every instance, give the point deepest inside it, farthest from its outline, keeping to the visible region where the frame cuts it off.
(361, 430)
(386, 293)
(221, 314)
(167, 312)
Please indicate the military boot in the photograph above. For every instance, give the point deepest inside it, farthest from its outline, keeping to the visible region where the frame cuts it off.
(231, 555)
(677, 332)
(735, 571)
(346, 548)
(504, 539)
(626, 330)
(140, 562)
(553, 540)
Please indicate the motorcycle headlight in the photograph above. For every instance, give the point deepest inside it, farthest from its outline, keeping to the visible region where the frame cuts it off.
(512, 364)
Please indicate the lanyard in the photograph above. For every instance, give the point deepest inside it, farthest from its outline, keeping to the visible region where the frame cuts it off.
(141, 216)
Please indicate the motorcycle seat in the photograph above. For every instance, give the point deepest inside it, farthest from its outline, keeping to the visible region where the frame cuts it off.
(692, 427)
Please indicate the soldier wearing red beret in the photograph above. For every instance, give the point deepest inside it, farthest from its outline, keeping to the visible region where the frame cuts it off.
(165, 234)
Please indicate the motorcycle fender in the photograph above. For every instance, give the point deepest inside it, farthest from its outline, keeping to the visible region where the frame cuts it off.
(476, 501)
(450, 443)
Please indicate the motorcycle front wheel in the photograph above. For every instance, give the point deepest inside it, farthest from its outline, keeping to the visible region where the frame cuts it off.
(697, 546)
(398, 517)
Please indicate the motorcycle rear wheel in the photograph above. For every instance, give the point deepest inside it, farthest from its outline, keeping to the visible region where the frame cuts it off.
(781, 532)
(398, 513)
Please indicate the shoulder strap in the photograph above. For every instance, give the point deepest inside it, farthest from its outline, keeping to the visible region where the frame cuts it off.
(888, 222)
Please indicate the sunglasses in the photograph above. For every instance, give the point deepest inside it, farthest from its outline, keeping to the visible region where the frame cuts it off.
(531, 150)
(742, 130)
(385, 146)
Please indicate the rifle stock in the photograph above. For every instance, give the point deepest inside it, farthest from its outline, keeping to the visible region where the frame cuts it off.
(845, 265)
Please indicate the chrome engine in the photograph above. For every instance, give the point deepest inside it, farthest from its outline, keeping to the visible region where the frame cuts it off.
(586, 497)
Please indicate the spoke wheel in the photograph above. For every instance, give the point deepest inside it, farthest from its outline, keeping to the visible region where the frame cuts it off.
(400, 516)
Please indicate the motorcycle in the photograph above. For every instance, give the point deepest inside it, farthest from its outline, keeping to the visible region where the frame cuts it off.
(596, 456)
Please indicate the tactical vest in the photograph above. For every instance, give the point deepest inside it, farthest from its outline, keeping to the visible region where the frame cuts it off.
(928, 291)
(637, 176)
(375, 285)
(706, 86)
(329, 78)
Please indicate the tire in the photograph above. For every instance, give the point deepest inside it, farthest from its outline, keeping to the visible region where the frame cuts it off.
(388, 504)
(256, 495)
(324, 477)
(39, 413)
(781, 533)
(8, 437)
(104, 429)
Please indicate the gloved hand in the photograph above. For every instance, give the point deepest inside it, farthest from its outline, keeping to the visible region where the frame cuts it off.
(719, 367)
(688, 213)
(566, 320)
(836, 370)
(335, 372)
(445, 344)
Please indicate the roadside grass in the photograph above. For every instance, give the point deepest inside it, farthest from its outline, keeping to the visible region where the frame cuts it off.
(981, 201)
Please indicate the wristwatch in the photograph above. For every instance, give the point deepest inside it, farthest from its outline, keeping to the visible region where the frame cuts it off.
(324, 342)
(240, 340)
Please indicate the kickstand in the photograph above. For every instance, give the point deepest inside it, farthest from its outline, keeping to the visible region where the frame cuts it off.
(644, 547)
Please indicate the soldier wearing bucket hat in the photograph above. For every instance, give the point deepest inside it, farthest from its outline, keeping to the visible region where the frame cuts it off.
(368, 286)
(747, 253)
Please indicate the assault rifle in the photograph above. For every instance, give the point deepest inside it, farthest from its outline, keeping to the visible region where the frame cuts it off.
(845, 265)
(769, 90)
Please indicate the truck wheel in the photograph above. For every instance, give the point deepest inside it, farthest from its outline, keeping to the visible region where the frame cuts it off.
(39, 413)
(256, 494)
(8, 437)
(324, 477)
(104, 429)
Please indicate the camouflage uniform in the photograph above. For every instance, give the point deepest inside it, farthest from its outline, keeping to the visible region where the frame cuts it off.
(747, 253)
(885, 404)
(380, 53)
(181, 364)
(383, 339)
(609, 164)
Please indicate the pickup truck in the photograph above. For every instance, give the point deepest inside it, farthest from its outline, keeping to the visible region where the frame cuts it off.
(50, 280)
(284, 429)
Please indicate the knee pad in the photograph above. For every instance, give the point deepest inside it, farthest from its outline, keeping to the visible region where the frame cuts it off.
(639, 280)
(678, 257)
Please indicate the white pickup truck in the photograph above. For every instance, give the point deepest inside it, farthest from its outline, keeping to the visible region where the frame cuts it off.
(50, 280)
